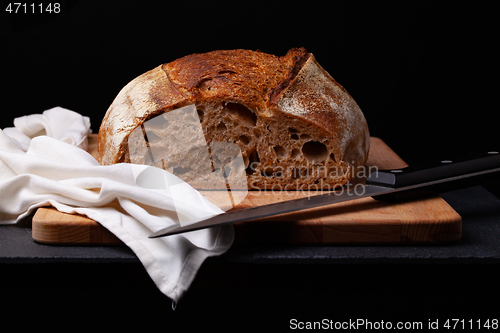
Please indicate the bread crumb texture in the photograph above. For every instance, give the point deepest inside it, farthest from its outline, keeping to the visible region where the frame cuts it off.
(297, 128)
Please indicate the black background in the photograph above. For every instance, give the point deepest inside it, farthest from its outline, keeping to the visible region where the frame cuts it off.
(422, 72)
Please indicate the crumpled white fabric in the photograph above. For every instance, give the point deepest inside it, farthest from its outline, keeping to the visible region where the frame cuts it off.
(58, 123)
(42, 163)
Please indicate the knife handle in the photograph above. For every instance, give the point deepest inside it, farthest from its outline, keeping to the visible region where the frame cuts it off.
(454, 171)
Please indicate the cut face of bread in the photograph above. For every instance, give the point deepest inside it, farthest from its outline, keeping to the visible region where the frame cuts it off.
(277, 151)
(296, 127)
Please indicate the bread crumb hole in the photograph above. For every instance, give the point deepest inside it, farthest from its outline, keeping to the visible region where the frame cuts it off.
(294, 137)
(253, 162)
(280, 151)
(332, 157)
(227, 172)
(315, 151)
(152, 138)
(305, 136)
(200, 114)
(295, 152)
(158, 122)
(243, 113)
(244, 139)
(221, 128)
(268, 172)
(181, 170)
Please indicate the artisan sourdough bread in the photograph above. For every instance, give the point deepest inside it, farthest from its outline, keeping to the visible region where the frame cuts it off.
(297, 128)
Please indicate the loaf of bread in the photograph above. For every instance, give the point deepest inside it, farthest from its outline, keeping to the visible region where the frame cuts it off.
(297, 128)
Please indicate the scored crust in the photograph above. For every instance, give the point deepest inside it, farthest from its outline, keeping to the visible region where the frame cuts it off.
(295, 125)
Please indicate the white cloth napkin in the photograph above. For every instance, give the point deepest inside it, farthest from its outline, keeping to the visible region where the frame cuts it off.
(42, 163)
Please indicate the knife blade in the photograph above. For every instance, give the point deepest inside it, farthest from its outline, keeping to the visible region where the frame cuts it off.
(380, 184)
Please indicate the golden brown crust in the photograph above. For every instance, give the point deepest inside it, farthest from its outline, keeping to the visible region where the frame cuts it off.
(241, 75)
(298, 58)
(146, 95)
(313, 95)
(283, 89)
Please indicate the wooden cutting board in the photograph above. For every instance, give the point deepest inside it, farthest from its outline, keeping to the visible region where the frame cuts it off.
(429, 220)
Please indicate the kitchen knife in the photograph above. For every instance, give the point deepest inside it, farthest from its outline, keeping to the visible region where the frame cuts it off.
(380, 184)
